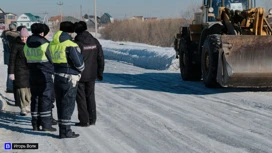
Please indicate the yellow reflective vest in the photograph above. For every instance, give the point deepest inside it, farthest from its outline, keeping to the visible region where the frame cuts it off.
(36, 55)
(58, 50)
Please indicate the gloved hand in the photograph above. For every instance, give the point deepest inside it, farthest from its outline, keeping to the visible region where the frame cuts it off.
(99, 78)
(11, 77)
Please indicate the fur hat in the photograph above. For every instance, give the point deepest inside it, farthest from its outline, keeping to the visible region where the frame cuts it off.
(12, 26)
(37, 28)
(80, 26)
(67, 26)
(24, 32)
(19, 28)
(45, 29)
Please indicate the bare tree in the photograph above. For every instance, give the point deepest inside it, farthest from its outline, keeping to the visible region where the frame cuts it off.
(192, 8)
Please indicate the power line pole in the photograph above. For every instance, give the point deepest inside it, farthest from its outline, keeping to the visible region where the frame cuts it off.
(81, 12)
(45, 18)
(60, 8)
(95, 18)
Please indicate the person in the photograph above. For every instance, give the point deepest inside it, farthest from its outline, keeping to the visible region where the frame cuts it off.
(53, 121)
(19, 73)
(93, 57)
(19, 28)
(68, 64)
(41, 82)
(8, 38)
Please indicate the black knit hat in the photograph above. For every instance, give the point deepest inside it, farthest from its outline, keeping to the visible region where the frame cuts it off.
(37, 28)
(20, 28)
(45, 29)
(80, 26)
(67, 26)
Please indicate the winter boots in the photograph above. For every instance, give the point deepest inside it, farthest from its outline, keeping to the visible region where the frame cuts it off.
(66, 132)
(53, 121)
(23, 112)
(50, 129)
(82, 124)
(36, 126)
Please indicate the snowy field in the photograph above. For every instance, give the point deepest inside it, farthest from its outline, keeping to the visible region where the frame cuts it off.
(143, 106)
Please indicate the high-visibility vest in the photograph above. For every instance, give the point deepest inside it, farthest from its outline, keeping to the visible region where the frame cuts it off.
(58, 50)
(36, 55)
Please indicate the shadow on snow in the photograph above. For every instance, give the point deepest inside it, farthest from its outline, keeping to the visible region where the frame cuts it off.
(168, 82)
(13, 121)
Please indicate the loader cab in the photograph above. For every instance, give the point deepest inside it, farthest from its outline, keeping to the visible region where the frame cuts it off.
(213, 6)
(236, 4)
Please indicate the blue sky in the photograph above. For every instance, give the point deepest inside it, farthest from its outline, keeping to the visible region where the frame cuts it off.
(117, 8)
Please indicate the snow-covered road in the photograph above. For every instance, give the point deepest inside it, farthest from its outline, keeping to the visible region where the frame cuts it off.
(148, 111)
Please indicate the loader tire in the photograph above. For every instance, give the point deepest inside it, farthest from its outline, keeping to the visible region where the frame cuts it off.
(188, 70)
(209, 60)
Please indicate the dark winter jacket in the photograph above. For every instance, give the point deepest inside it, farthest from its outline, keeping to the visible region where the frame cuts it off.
(75, 64)
(18, 65)
(8, 39)
(5, 47)
(35, 41)
(93, 56)
(11, 37)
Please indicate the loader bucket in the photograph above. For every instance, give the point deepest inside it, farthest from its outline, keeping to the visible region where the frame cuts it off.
(245, 61)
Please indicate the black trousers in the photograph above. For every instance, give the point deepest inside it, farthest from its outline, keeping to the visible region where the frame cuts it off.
(16, 98)
(65, 92)
(86, 104)
(41, 86)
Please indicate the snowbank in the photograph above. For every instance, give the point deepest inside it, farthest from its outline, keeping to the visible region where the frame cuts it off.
(141, 55)
(138, 54)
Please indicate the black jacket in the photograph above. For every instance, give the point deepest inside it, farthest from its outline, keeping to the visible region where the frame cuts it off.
(18, 65)
(11, 37)
(35, 41)
(93, 56)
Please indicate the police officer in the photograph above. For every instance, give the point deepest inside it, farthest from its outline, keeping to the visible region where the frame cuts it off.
(41, 81)
(46, 35)
(93, 57)
(68, 64)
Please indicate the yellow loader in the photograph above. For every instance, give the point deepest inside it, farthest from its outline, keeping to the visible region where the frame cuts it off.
(228, 44)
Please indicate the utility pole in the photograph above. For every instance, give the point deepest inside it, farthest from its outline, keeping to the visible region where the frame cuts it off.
(81, 13)
(60, 8)
(95, 18)
(45, 18)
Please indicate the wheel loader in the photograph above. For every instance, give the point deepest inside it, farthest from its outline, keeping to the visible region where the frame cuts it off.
(228, 44)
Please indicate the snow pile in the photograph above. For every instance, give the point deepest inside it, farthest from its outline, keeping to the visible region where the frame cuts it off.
(141, 55)
(138, 54)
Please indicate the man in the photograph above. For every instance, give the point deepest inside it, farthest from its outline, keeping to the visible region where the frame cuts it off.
(46, 34)
(41, 81)
(68, 64)
(8, 38)
(93, 57)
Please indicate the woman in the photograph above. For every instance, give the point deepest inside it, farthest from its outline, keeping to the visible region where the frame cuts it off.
(18, 71)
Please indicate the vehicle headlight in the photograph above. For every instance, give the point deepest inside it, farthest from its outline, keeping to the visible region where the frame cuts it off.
(270, 11)
(211, 10)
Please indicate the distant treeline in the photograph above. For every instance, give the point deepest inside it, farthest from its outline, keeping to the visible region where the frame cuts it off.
(154, 32)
